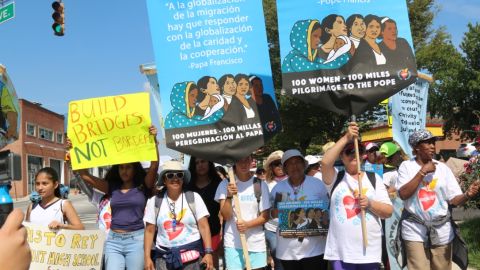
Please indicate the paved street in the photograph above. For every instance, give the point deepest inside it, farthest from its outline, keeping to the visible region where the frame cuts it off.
(86, 210)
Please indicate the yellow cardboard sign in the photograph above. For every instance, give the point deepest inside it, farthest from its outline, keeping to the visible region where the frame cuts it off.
(65, 249)
(110, 130)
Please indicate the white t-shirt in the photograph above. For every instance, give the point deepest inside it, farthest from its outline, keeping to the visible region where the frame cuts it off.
(390, 178)
(272, 224)
(290, 248)
(44, 216)
(429, 201)
(344, 239)
(186, 230)
(249, 209)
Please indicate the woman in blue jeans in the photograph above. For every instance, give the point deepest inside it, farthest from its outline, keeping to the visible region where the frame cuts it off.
(129, 186)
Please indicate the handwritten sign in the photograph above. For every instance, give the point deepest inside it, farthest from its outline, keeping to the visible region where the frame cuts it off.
(110, 130)
(409, 110)
(303, 218)
(65, 249)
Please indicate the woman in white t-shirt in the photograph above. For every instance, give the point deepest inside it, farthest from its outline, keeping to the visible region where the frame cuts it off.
(183, 237)
(344, 240)
(52, 211)
(273, 174)
(299, 253)
(254, 214)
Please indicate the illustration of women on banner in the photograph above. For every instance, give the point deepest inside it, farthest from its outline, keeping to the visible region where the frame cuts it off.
(183, 99)
(305, 54)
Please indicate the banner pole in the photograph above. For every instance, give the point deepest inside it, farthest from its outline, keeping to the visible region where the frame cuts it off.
(360, 188)
(236, 202)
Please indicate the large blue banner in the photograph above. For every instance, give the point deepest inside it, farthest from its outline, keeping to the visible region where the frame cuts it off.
(214, 73)
(409, 112)
(345, 55)
(9, 110)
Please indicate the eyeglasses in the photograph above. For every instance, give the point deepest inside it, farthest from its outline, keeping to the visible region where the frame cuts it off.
(172, 175)
(276, 163)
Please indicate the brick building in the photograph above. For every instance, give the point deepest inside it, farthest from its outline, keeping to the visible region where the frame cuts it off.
(41, 143)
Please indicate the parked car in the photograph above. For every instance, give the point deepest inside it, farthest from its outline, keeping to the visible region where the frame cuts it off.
(465, 150)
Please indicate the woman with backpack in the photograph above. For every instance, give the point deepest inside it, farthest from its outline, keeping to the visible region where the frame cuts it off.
(129, 187)
(177, 222)
(344, 246)
(52, 210)
(254, 205)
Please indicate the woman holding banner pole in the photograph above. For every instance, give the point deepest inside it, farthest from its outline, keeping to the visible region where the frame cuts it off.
(344, 240)
(254, 214)
(129, 187)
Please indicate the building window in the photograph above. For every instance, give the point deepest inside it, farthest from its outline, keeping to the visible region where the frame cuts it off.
(59, 137)
(31, 129)
(46, 134)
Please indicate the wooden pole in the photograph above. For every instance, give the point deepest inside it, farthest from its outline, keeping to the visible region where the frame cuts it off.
(360, 189)
(238, 213)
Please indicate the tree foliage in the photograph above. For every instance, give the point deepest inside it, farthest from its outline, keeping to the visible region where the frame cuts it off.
(456, 86)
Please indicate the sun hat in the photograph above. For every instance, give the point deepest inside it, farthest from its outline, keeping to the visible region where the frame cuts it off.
(176, 166)
(292, 153)
(312, 159)
(419, 136)
(276, 155)
(389, 149)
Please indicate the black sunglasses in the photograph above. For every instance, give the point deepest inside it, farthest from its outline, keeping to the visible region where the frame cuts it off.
(276, 163)
(172, 175)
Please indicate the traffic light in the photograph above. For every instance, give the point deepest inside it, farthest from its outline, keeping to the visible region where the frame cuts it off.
(58, 18)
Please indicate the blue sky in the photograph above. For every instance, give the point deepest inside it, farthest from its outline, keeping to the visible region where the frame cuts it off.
(104, 44)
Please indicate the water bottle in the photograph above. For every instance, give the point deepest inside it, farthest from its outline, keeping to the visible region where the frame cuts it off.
(6, 203)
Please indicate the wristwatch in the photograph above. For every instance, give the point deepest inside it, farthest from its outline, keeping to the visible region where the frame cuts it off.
(208, 251)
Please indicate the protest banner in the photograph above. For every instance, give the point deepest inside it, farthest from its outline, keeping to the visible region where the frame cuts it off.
(342, 65)
(391, 225)
(9, 109)
(303, 218)
(409, 111)
(65, 249)
(345, 56)
(110, 130)
(213, 67)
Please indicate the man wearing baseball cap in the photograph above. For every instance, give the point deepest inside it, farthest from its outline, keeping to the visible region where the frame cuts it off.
(393, 159)
(307, 252)
(372, 149)
(428, 187)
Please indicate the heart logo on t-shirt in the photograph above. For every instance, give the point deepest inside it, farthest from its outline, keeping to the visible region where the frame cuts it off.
(427, 198)
(351, 206)
(107, 217)
(167, 225)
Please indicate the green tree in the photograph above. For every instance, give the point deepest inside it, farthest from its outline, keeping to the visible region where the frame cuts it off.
(455, 95)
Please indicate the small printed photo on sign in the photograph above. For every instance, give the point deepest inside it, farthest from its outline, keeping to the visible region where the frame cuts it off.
(303, 218)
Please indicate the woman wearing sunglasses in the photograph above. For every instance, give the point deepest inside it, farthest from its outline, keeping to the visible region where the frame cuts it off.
(344, 240)
(128, 186)
(274, 174)
(179, 219)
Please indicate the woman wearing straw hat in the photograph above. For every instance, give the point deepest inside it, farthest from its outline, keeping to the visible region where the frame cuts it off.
(274, 174)
(180, 218)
